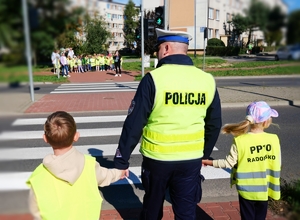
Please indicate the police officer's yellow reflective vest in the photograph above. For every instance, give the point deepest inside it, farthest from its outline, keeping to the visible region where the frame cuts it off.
(175, 129)
(257, 175)
(57, 199)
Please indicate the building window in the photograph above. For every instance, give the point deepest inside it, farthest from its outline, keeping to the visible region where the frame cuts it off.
(108, 15)
(120, 8)
(115, 43)
(211, 13)
(217, 34)
(120, 26)
(238, 4)
(217, 15)
(107, 6)
(210, 33)
(228, 18)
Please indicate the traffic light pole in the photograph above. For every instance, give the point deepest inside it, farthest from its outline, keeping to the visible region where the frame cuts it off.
(143, 36)
(195, 26)
(28, 47)
(166, 12)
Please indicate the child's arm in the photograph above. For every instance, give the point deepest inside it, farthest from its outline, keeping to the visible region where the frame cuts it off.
(228, 162)
(107, 176)
(33, 206)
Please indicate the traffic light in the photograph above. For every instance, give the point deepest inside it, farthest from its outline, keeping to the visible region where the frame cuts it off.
(159, 17)
(148, 28)
(138, 33)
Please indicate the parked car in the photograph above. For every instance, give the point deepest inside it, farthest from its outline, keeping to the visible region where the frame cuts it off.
(288, 53)
(125, 51)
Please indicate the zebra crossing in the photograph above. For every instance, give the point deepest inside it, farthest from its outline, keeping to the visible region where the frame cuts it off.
(22, 149)
(96, 87)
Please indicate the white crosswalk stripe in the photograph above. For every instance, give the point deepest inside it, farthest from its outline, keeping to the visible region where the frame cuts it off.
(16, 180)
(96, 87)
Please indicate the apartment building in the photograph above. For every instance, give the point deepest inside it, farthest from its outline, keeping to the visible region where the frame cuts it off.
(189, 15)
(222, 11)
(112, 13)
(193, 15)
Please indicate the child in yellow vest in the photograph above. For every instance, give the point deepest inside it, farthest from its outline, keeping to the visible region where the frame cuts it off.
(107, 63)
(101, 62)
(93, 62)
(75, 64)
(65, 185)
(71, 64)
(255, 160)
(97, 57)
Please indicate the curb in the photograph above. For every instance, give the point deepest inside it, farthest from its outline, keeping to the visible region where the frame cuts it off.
(271, 103)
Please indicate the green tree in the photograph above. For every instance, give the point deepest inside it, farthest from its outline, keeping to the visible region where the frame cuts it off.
(275, 22)
(56, 20)
(130, 23)
(256, 17)
(240, 24)
(96, 35)
(10, 23)
(11, 30)
(293, 31)
(68, 38)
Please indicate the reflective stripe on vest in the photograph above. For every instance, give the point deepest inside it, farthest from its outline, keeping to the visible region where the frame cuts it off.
(173, 137)
(258, 172)
(253, 175)
(175, 128)
(172, 148)
(58, 199)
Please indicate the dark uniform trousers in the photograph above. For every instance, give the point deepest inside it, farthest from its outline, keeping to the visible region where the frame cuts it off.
(184, 181)
(253, 210)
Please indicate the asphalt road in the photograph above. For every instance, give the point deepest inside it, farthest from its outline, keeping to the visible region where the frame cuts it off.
(278, 81)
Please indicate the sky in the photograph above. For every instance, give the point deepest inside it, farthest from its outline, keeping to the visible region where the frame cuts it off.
(292, 4)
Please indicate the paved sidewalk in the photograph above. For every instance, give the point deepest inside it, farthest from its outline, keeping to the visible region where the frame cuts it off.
(20, 103)
(205, 211)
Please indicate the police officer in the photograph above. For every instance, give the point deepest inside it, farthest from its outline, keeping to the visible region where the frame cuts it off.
(177, 111)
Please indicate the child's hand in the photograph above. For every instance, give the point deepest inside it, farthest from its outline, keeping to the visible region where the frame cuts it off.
(207, 162)
(125, 173)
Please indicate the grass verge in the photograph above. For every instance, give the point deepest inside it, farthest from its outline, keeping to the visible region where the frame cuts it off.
(215, 66)
(289, 204)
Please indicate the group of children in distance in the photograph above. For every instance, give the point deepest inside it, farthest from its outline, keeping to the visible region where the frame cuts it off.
(96, 62)
(65, 185)
(85, 63)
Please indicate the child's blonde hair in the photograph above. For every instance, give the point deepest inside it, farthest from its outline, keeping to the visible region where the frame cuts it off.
(259, 115)
(60, 129)
(237, 129)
